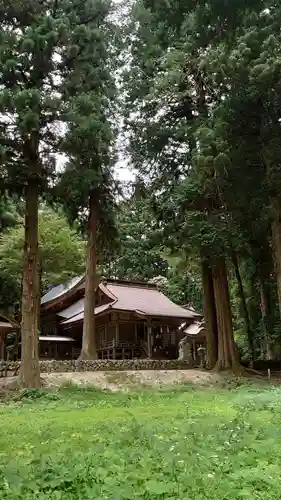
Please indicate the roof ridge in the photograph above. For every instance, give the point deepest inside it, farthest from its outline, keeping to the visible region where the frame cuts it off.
(136, 284)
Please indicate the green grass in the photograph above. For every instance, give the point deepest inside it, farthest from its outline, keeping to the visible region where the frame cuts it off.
(192, 444)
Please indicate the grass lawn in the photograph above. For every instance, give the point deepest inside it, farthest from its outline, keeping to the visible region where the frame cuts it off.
(187, 443)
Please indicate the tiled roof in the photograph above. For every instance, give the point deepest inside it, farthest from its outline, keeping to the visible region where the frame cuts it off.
(139, 298)
(72, 310)
(60, 290)
(146, 300)
(80, 316)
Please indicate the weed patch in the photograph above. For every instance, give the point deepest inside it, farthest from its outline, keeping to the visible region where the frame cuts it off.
(182, 444)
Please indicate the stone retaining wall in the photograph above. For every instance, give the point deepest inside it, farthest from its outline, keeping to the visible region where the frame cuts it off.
(50, 366)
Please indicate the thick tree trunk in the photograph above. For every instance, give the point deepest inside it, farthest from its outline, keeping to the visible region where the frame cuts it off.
(89, 334)
(244, 308)
(276, 243)
(210, 317)
(30, 373)
(227, 353)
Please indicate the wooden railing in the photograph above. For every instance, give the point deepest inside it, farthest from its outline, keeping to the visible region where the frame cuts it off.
(124, 350)
(112, 343)
(109, 344)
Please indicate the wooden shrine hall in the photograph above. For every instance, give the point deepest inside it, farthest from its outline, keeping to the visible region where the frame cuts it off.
(133, 320)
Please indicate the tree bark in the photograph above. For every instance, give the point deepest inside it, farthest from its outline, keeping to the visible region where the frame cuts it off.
(40, 273)
(210, 317)
(244, 307)
(276, 243)
(89, 333)
(30, 372)
(266, 319)
(227, 352)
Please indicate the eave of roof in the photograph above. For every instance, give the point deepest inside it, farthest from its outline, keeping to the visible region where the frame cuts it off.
(53, 338)
(72, 310)
(5, 327)
(80, 316)
(8, 324)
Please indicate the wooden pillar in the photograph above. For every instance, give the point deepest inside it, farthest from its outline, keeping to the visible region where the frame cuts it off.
(149, 340)
(103, 342)
(136, 332)
(2, 341)
(117, 333)
(113, 349)
(17, 345)
(164, 335)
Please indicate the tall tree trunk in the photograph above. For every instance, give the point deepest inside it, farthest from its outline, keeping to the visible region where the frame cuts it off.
(40, 273)
(89, 333)
(276, 243)
(227, 352)
(266, 319)
(210, 317)
(30, 372)
(244, 308)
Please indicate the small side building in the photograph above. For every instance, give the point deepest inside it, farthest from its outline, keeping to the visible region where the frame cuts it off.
(133, 319)
(12, 327)
(194, 335)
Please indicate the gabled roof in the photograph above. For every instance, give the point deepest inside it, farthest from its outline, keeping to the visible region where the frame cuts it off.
(60, 291)
(140, 298)
(197, 328)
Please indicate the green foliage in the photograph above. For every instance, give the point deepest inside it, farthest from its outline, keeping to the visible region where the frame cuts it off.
(205, 131)
(174, 138)
(32, 36)
(31, 394)
(90, 102)
(184, 288)
(137, 256)
(189, 444)
(8, 213)
(183, 283)
(62, 255)
(56, 92)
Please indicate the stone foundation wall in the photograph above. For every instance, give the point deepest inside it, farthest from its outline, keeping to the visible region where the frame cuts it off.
(50, 366)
